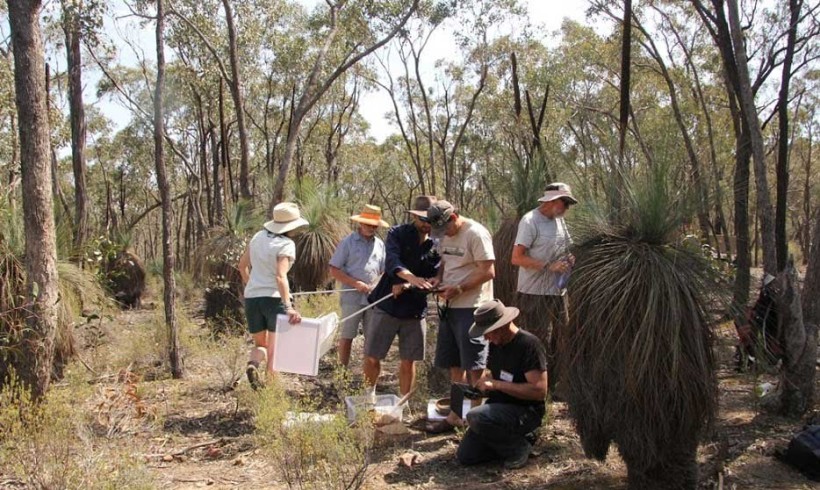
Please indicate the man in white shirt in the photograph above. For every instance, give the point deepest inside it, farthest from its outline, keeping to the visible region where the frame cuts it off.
(541, 252)
(466, 281)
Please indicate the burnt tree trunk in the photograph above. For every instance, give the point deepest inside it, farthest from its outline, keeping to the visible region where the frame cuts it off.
(37, 349)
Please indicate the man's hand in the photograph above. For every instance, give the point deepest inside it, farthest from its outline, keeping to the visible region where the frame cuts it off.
(559, 266)
(362, 287)
(398, 289)
(450, 292)
(486, 383)
(419, 282)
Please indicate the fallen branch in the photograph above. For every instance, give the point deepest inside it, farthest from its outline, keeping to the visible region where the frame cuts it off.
(221, 442)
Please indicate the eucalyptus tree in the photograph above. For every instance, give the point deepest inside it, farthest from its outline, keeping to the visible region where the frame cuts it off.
(435, 109)
(37, 348)
(723, 21)
(801, 41)
(169, 291)
(355, 29)
(81, 19)
(192, 15)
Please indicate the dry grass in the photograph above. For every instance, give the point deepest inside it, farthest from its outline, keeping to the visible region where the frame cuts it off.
(51, 444)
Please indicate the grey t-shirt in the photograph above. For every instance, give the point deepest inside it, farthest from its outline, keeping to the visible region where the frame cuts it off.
(545, 239)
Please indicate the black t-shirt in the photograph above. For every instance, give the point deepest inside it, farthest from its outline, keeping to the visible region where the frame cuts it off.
(520, 355)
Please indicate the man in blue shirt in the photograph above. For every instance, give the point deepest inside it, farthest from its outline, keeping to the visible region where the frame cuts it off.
(411, 259)
(357, 263)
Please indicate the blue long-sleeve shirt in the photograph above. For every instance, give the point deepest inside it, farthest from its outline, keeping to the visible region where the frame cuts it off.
(404, 252)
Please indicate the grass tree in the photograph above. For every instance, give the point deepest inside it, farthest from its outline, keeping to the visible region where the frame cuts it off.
(216, 264)
(314, 247)
(637, 351)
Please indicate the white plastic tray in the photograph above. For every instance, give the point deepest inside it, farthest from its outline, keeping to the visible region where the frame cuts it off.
(299, 347)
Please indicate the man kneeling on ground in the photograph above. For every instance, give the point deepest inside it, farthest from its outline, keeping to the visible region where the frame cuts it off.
(516, 385)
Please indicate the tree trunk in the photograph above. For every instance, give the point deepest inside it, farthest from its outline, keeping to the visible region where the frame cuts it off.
(806, 242)
(811, 285)
(741, 203)
(165, 196)
(225, 146)
(71, 27)
(783, 138)
(626, 56)
(236, 94)
(216, 176)
(56, 188)
(749, 112)
(795, 393)
(37, 349)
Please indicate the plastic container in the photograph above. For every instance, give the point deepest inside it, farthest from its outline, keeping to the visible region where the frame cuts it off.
(299, 347)
(385, 407)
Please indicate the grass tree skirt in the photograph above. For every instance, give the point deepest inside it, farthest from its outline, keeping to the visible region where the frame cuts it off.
(637, 354)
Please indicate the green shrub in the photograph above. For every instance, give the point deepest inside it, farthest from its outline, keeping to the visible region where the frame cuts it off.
(328, 454)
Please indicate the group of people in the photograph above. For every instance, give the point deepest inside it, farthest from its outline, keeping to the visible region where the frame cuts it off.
(442, 253)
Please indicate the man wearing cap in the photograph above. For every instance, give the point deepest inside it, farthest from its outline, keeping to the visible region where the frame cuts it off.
(264, 269)
(410, 260)
(541, 252)
(516, 385)
(357, 263)
(466, 274)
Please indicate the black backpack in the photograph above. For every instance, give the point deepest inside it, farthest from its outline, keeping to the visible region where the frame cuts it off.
(803, 452)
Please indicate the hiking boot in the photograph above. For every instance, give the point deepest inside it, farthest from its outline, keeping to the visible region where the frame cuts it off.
(253, 377)
(518, 461)
(532, 437)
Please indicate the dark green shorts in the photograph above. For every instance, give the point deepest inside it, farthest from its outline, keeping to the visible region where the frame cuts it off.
(261, 313)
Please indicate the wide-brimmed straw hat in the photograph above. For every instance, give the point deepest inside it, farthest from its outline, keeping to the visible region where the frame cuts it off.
(558, 190)
(421, 204)
(370, 215)
(491, 315)
(286, 217)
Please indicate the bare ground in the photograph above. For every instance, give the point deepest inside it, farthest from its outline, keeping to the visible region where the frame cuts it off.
(192, 433)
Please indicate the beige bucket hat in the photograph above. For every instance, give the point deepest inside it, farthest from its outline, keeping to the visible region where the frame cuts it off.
(286, 217)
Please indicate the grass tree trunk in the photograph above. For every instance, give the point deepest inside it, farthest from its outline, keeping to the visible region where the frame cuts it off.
(37, 353)
(71, 26)
(167, 203)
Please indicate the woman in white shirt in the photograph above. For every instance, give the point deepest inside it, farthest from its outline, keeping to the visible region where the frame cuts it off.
(264, 269)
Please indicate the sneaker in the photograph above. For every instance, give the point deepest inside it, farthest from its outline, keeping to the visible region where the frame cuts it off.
(519, 460)
(253, 377)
